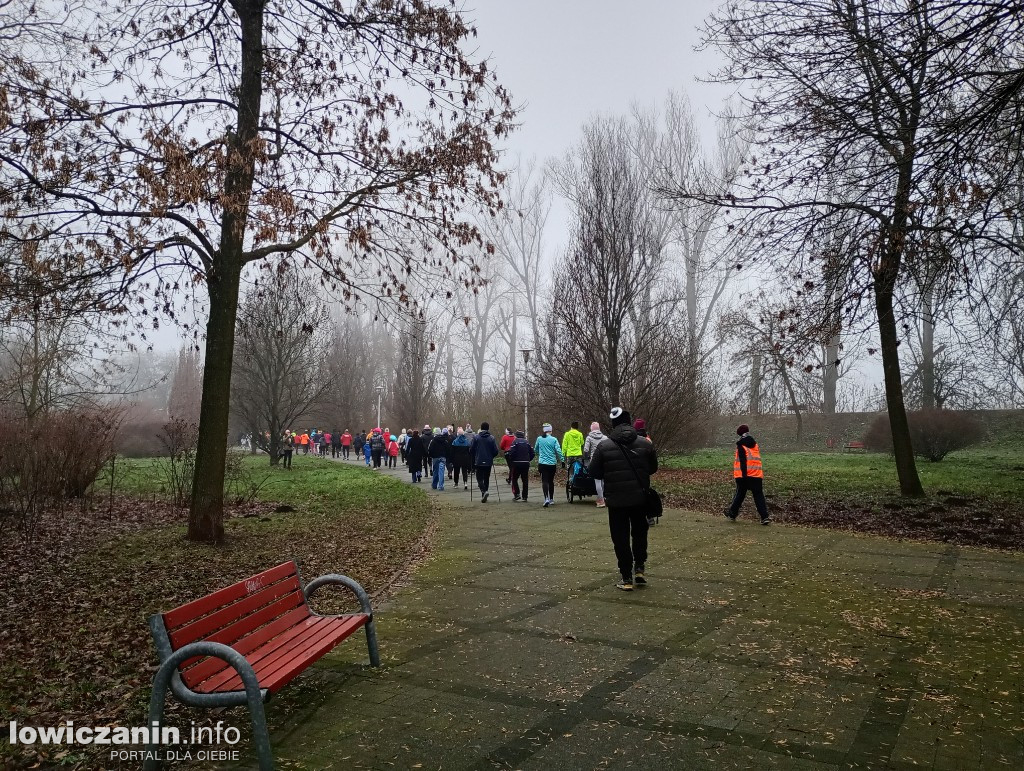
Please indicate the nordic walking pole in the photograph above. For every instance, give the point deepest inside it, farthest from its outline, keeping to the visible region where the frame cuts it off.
(471, 486)
(497, 487)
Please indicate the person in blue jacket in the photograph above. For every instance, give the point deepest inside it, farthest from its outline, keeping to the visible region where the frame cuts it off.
(482, 450)
(460, 458)
(549, 453)
(367, 451)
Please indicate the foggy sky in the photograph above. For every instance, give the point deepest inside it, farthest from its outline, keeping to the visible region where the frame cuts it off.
(568, 60)
(565, 61)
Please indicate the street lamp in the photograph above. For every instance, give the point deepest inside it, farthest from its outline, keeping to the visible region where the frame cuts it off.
(380, 390)
(526, 390)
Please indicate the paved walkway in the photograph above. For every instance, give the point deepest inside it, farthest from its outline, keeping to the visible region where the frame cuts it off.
(752, 647)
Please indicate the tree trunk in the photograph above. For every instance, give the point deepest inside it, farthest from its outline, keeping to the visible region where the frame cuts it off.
(906, 466)
(927, 350)
(755, 384)
(830, 376)
(614, 381)
(274, 449)
(513, 340)
(788, 383)
(206, 517)
(449, 373)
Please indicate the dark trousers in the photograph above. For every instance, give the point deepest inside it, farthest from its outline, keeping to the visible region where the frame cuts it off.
(335, 450)
(345, 448)
(547, 479)
(483, 478)
(376, 455)
(461, 467)
(288, 458)
(627, 524)
(756, 487)
(520, 479)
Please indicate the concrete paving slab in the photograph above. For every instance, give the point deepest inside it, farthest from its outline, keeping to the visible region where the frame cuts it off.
(752, 647)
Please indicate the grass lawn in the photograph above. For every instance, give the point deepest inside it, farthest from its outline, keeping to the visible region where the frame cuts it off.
(989, 473)
(73, 627)
(973, 496)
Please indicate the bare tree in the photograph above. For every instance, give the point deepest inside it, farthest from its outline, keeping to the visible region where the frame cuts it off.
(55, 349)
(326, 132)
(484, 319)
(669, 148)
(765, 332)
(610, 334)
(278, 374)
(517, 233)
(417, 369)
(352, 369)
(186, 386)
(871, 115)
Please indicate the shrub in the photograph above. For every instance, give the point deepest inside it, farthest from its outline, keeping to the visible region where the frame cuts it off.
(141, 438)
(933, 433)
(179, 438)
(936, 433)
(52, 458)
(878, 437)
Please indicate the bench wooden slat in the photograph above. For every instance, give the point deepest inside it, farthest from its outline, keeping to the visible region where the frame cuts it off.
(211, 602)
(196, 670)
(256, 653)
(245, 612)
(274, 672)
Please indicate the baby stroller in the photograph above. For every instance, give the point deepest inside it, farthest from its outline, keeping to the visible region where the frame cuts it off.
(579, 483)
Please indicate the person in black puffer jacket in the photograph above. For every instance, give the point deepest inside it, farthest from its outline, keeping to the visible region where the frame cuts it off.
(414, 455)
(518, 457)
(625, 485)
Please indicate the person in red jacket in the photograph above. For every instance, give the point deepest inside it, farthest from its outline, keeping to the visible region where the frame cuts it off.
(503, 445)
(346, 444)
(749, 475)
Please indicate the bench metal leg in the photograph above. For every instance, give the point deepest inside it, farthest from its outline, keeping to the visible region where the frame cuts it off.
(253, 695)
(371, 642)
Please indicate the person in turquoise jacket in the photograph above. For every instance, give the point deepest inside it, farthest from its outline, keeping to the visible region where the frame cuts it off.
(549, 453)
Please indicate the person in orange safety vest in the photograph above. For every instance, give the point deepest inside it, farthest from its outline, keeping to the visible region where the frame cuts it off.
(749, 475)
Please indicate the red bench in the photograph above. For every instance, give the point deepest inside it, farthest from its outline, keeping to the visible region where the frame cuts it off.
(242, 644)
(850, 446)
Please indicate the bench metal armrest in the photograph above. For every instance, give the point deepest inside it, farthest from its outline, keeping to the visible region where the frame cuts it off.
(168, 675)
(340, 580)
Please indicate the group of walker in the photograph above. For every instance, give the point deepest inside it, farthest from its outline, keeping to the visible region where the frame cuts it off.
(448, 453)
(620, 464)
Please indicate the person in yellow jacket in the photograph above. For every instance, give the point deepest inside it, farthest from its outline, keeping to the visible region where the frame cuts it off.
(572, 445)
(749, 475)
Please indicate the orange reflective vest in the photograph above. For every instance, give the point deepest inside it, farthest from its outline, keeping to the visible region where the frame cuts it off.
(753, 462)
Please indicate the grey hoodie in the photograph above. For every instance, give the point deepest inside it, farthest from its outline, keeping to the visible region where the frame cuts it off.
(590, 444)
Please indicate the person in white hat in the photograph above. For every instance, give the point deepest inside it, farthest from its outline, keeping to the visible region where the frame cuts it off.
(624, 462)
(549, 453)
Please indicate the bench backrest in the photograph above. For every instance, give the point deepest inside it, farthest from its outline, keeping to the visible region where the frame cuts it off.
(243, 616)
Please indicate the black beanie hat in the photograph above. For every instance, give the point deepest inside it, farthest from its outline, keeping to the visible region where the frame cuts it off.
(620, 417)
(743, 429)
(485, 426)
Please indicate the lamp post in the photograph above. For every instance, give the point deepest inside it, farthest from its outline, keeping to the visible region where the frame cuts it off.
(526, 390)
(380, 390)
